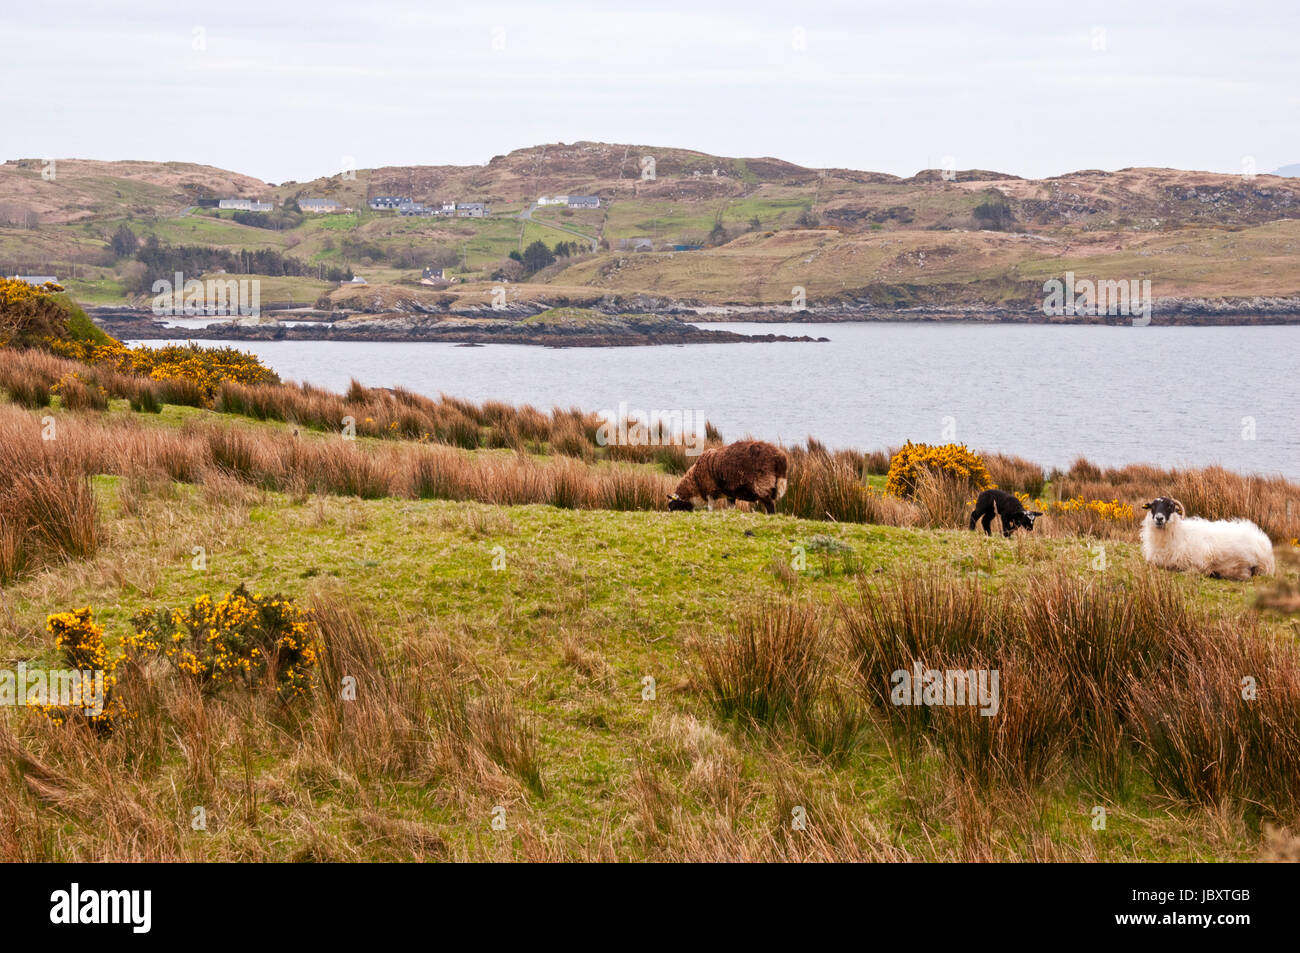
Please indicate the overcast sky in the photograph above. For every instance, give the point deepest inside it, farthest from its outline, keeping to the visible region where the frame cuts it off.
(292, 89)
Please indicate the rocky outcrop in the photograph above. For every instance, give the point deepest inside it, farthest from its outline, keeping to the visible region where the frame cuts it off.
(570, 328)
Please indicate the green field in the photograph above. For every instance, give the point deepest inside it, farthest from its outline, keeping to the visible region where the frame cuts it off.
(562, 615)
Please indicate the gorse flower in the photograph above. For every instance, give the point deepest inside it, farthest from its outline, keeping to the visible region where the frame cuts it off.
(243, 637)
(205, 367)
(1106, 509)
(80, 643)
(951, 459)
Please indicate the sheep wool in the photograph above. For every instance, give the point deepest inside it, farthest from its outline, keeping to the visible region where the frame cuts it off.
(1230, 549)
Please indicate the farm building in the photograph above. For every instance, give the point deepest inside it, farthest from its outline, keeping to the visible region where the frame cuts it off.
(319, 205)
(389, 202)
(245, 205)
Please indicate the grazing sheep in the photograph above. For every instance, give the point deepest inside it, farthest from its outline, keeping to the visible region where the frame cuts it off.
(749, 470)
(1226, 549)
(997, 502)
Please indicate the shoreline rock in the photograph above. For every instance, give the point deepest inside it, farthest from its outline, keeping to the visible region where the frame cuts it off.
(639, 330)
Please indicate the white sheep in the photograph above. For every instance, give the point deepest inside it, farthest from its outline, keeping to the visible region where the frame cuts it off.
(1227, 549)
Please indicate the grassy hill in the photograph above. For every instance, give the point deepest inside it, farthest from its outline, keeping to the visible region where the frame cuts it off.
(508, 648)
(973, 237)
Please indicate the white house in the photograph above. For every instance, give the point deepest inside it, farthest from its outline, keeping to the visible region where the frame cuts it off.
(584, 201)
(245, 205)
(318, 205)
(553, 200)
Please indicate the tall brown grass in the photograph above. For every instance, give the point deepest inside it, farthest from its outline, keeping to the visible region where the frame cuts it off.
(823, 484)
(1097, 674)
(1015, 474)
(278, 460)
(773, 669)
(47, 508)
(1210, 492)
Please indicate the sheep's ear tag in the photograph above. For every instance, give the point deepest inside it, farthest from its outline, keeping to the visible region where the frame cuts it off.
(1146, 506)
(673, 496)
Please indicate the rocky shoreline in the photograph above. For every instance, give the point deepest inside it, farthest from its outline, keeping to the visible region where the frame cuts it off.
(650, 321)
(613, 331)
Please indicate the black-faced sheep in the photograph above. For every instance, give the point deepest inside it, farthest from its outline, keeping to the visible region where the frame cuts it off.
(749, 470)
(1228, 549)
(997, 502)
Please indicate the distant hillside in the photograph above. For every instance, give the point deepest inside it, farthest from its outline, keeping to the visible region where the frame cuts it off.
(681, 226)
(1289, 171)
(82, 189)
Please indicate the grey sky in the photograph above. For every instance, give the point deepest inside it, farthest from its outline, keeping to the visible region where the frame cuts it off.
(287, 90)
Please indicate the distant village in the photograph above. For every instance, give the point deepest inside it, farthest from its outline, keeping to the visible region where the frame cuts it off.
(405, 205)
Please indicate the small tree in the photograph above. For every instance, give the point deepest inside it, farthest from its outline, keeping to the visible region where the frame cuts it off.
(994, 212)
(124, 243)
(537, 256)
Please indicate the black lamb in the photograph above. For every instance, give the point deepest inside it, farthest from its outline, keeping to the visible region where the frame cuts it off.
(996, 502)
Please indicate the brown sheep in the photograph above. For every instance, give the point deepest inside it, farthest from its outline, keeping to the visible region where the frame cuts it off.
(749, 470)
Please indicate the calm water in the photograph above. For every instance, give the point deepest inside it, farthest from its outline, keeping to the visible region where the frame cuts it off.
(1165, 395)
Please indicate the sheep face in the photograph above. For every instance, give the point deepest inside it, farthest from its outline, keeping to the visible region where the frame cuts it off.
(676, 503)
(1163, 511)
(1024, 519)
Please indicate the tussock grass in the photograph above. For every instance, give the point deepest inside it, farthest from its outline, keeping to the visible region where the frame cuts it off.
(1094, 673)
(1015, 474)
(47, 508)
(824, 484)
(277, 460)
(424, 714)
(1210, 492)
(771, 668)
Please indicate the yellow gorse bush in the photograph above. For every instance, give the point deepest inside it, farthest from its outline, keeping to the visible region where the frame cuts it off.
(952, 459)
(80, 643)
(1106, 509)
(78, 637)
(241, 638)
(13, 291)
(206, 367)
(28, 310)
